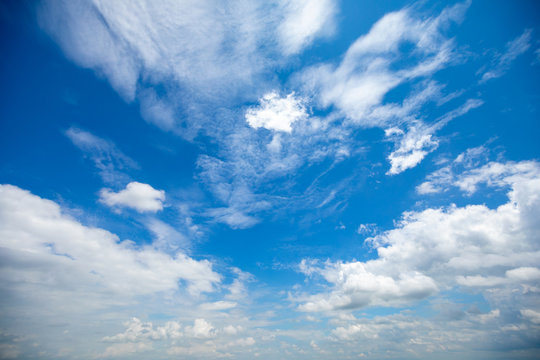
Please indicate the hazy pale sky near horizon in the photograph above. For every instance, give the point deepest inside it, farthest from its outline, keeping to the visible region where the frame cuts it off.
(269, 179)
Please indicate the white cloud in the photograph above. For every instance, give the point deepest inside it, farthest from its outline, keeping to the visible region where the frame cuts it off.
(532, 315)
(276, 113)
(502, 62)
(437, 249)
(138, 196)
(418, 141)
(201, 329)
(51, 253)
(109, 160)
(357, 86)
(304, 20)
(218, 305)
(413, 146)
(138, 331)
(466, 173)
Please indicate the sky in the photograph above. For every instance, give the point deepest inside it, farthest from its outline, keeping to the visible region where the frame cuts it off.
(302, 179)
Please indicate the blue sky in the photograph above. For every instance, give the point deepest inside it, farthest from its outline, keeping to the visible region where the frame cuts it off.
(297, 179)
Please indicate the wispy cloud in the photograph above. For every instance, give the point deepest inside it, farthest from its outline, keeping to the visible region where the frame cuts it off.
(502, 62)
(304, 20)
(107, 158)
(413, 145)
(208, 51)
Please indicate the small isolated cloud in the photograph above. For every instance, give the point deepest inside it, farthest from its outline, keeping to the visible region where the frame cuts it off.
(366, 229)
(502, 62)
(138, 196)
(276, 113)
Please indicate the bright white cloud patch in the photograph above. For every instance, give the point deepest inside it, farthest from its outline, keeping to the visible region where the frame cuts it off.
(138, 196)
(437, 249)
(276, 113)
(304, 19)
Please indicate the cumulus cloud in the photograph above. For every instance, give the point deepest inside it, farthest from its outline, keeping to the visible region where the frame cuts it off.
(46, 250)
(137, 331)
(276, 113)
(138, 196)
(201, 329)
(438, 249)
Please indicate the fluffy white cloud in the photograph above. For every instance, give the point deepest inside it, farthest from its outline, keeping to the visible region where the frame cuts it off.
(438, 249)
(46, 249)
(138, 196)
(412, 147)
(276, 113)
(218, 305)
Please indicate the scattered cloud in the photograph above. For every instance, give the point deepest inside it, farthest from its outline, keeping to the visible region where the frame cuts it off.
(438, 249)
(136, 195)
(466, 173)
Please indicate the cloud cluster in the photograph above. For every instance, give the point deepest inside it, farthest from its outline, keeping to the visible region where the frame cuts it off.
(207, 51)
(441, 249)
(44, 249)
